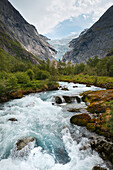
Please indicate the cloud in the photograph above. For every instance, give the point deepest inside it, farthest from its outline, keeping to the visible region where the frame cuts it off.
(47, 14)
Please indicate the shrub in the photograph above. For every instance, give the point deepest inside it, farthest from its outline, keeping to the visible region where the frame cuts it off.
(22, 78)
(42, 75)
(12, 82)
(3, 75)
(3, 87)
(30, 73)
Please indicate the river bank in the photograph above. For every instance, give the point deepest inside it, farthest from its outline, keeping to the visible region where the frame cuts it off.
(46, 85)
(99, 81)
(99, 107)
(32, 87)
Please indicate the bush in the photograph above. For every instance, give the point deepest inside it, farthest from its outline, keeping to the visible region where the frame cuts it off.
(3, 75)
(30, 73)
(42, 75)
(3, 87)
(22, 78)
(12, 82)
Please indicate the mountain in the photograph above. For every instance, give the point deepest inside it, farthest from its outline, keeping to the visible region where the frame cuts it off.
(21, 32)
(61, 45)
(96, 41)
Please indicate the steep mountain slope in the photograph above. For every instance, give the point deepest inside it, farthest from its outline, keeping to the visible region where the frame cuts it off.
(24, 33)
(11, 46)
(98, 40)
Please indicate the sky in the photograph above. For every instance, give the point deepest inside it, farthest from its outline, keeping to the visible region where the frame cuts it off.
(60, 18)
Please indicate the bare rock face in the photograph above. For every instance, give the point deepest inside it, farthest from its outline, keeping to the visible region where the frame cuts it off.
(96, 41)
(25, 33)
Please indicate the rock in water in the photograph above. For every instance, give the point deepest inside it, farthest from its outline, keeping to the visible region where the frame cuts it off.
(78, 99)
(65, 89)
(80, 119)
(98, 168)
(58, 100)
(69, 99)
(21, 143)
(12, 119)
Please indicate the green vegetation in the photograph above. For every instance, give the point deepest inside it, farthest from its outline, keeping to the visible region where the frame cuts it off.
(18, 74)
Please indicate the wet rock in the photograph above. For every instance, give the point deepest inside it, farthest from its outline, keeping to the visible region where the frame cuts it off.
(69, 99)
(74, 110)
(78, 99)
(58, 100)
(3, 99)
(80, 119)
(88, 85)
(21, 143)
(104, 147)
(65, 88)
(75, 86)
(12, 119)
(98, 168)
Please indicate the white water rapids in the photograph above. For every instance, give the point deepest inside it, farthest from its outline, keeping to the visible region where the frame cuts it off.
(59, 144)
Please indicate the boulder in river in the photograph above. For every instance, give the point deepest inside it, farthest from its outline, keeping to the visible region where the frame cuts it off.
(88, 85)
(98, 168)
(78, 99)
(74, 110)
(58, 100)
(80, 119)
(21, 143)
(65, 89)
(12, 119)
(69, 99)
(75, 86)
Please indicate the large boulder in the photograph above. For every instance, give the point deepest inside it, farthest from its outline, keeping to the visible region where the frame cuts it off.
(58, 99)
(21, 143)
(80, 119)
(69, 99)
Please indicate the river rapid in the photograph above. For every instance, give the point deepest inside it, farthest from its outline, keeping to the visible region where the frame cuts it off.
(59, 145)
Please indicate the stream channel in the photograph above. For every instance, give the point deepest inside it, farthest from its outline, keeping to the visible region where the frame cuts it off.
(59, 144)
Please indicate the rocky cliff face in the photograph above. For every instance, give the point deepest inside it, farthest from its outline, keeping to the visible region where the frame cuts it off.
(25, 33)
(98, 40)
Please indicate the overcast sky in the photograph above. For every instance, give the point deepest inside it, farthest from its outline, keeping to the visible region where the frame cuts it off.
(60, 18)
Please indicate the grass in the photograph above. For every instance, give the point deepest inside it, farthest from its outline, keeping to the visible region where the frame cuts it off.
(106, 82)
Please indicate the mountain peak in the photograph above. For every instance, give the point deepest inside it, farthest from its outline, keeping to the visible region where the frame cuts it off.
(97, 41)
(25, 33)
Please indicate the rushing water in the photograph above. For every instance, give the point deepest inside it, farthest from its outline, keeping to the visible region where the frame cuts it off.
(59, 144)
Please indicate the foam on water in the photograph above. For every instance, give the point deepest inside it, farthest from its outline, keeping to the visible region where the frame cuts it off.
(56, 148)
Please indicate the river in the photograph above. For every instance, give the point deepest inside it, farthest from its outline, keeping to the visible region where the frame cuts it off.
(59, 144)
